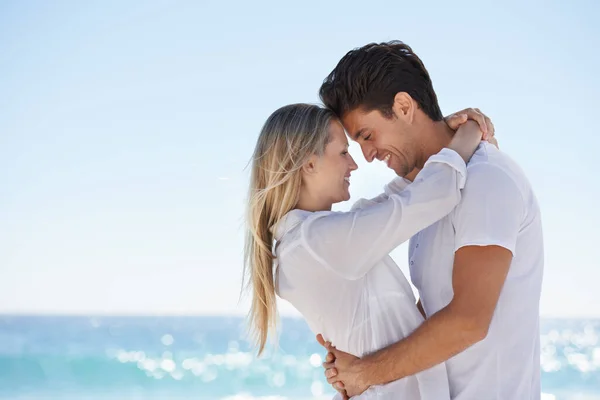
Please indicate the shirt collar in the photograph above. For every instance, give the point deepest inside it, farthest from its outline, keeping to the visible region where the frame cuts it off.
(289, 222)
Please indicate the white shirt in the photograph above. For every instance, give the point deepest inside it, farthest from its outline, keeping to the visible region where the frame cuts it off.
(498, 207)
(335, 269)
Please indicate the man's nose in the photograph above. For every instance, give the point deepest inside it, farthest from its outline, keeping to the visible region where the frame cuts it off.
(368, 151)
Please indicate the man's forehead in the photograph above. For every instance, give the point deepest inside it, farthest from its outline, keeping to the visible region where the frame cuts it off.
(355, 123)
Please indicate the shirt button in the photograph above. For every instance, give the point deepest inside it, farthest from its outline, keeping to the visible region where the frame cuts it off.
(417, 246)
(412, 263)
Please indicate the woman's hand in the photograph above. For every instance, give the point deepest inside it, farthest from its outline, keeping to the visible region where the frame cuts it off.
(454, 121)
(466, 140)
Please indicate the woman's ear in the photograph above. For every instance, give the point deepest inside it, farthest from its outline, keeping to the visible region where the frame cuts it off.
(311, 165)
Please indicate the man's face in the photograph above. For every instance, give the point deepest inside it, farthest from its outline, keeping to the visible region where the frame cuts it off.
(390, 140)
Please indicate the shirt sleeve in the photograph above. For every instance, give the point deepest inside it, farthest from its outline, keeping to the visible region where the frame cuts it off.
(351, 243)
(396, 185)
(491, 211)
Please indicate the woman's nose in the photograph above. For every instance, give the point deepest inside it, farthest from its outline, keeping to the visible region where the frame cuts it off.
(353, 165)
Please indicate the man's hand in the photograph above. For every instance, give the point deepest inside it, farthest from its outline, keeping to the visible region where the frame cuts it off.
(342, 370)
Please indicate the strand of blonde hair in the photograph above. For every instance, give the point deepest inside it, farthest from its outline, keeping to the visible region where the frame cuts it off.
(290, 135)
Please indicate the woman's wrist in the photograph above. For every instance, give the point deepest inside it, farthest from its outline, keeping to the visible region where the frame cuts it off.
(466, 140)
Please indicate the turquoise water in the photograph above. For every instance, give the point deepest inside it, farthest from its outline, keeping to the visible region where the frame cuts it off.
(207, 358)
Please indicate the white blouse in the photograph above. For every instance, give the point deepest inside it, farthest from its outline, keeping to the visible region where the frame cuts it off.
(335, 269)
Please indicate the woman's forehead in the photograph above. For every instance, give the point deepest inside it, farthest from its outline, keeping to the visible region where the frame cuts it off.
(337, 133)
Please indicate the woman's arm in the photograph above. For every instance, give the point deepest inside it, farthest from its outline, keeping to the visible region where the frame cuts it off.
(351, 243)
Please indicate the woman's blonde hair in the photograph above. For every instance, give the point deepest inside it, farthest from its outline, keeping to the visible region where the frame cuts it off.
(290, 136)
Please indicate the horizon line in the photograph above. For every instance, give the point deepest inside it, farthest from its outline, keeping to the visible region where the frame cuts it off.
(203, 315)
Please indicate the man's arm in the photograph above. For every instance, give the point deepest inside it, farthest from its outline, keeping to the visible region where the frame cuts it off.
(487, 223)
(479, 274)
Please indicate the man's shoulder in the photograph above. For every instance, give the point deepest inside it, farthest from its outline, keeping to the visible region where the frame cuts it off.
(487, 156)
(490, 166)
(495, 183)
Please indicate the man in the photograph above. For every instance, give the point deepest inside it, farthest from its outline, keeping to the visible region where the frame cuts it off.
(478, 271)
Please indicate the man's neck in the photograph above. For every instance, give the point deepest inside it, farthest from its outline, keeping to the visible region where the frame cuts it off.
(436, 135)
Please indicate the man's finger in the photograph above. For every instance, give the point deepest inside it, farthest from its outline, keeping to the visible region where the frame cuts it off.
(334, 352)
(328, 365)
(331, 373)
(341, 391)
(339, 385)
(321, 340)
(333, 380)
(330, 357)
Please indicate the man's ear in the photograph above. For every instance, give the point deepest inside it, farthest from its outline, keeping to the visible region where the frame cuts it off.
(404, 107)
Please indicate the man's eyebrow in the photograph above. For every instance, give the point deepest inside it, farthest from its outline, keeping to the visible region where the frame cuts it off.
(360, 132)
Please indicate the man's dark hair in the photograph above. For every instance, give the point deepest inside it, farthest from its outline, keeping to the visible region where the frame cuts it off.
(369, 78)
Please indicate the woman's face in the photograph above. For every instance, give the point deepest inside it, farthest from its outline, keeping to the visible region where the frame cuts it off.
(331, 177)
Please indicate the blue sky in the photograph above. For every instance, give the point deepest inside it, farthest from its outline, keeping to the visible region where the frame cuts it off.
(126, 127)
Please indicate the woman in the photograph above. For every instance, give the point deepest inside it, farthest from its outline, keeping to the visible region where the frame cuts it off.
(334, 267)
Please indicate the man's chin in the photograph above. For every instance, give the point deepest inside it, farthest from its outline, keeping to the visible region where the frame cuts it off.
(400, 172)
(403, 172)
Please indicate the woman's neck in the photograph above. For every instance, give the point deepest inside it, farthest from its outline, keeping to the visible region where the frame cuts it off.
(310, 202)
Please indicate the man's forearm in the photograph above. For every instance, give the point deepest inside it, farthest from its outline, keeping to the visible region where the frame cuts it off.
(442, 336)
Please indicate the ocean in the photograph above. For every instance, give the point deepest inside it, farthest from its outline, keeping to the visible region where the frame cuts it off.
(59, 357)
